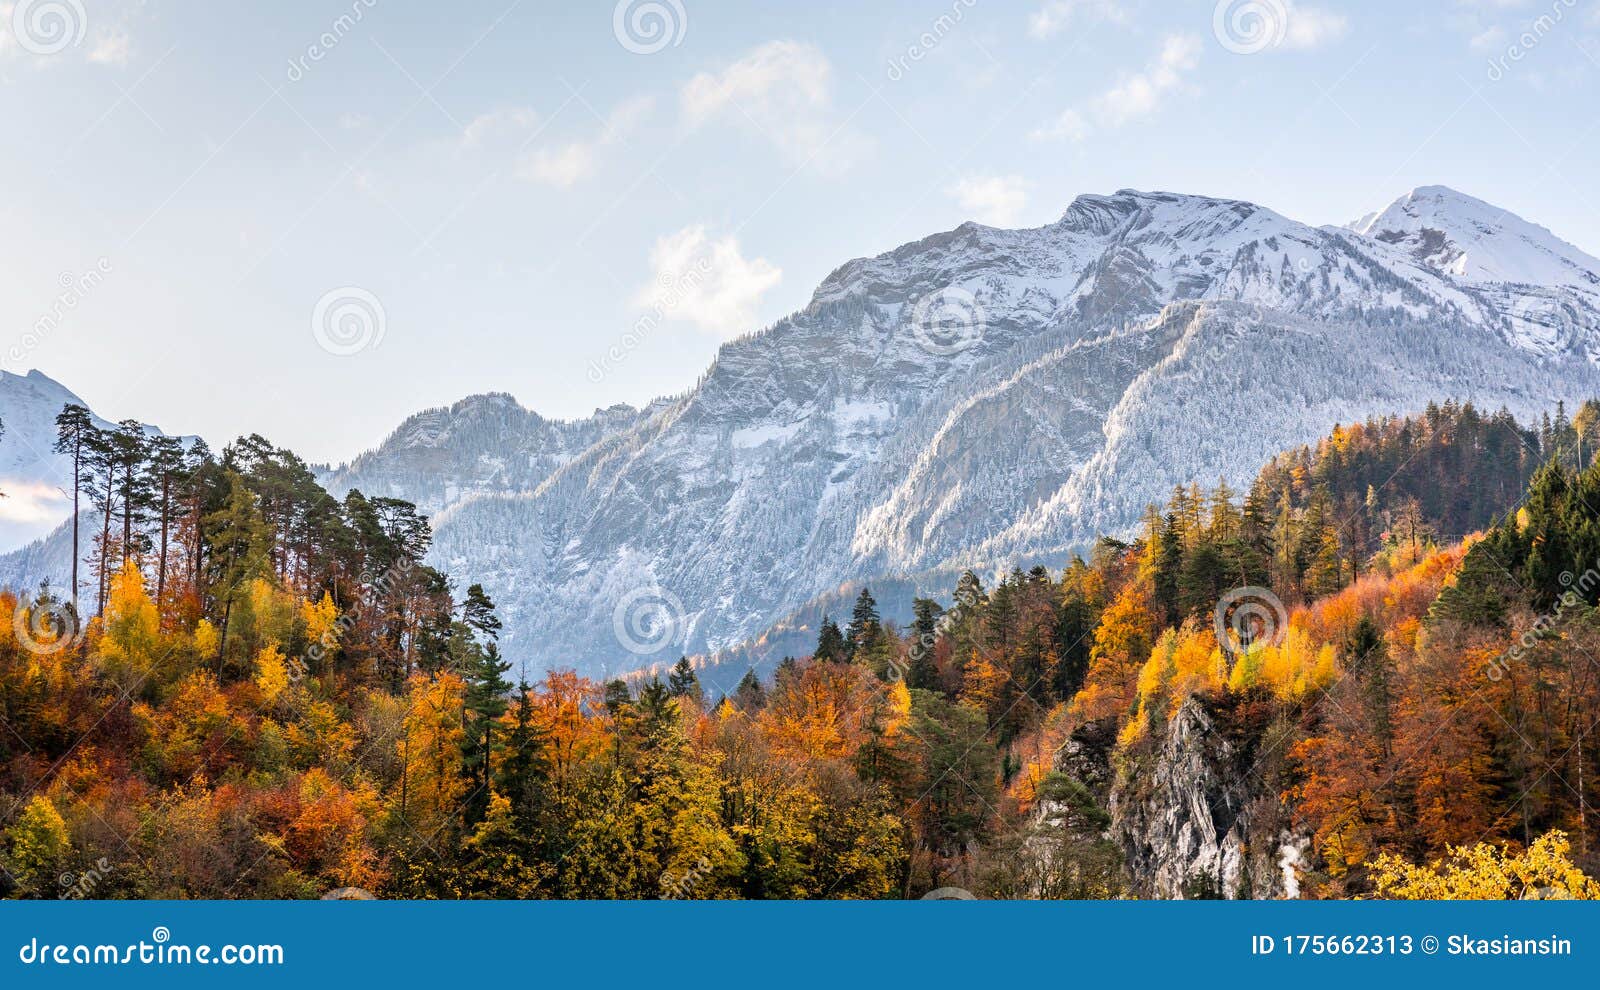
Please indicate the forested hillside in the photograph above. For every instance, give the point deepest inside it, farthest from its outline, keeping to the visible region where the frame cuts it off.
(264, 692)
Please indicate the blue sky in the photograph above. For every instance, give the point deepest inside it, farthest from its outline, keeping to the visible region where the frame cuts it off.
(310, 219)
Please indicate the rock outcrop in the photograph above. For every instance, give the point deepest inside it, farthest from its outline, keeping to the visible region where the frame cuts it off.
(1198, 814)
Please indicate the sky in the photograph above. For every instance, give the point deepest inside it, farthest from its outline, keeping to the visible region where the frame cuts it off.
(312, 219)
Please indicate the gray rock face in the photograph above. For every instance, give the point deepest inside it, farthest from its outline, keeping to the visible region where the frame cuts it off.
(1201, 818)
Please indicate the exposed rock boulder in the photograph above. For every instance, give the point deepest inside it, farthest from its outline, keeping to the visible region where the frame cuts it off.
(1198, 814)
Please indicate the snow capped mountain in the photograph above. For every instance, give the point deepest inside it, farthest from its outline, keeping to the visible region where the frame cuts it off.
(984, 396)
(1477, 243)
(1547, 290)
(484, 444)
(980, 397)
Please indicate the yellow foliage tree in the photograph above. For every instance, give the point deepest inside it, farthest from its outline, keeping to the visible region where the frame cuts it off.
(432, 785)
(322, 628)
(130, 645)
(272, 673)
(39, 840)
(1122, 643)
(1289, 668)
(206, 639)
(1485, 872)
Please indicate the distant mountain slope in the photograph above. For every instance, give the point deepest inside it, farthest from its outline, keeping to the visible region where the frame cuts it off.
(483, 444)
(36, 481)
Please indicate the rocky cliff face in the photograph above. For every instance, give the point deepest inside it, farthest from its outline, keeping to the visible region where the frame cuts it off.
(1198, 815)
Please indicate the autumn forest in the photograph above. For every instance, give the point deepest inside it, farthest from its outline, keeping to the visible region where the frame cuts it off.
(1377, 663)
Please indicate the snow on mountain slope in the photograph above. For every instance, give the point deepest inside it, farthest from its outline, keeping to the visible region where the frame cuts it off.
(1477, 243)
(484, 444)
(1059, 390)
(35, 480)
(1547, 290)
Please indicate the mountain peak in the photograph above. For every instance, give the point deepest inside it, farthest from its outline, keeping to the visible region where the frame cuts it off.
(1092, 207)
(1477, 242)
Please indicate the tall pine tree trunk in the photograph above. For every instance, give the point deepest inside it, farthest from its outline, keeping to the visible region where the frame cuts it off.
(127, 512)
(77, 462)
(105, 547)
(161, 571)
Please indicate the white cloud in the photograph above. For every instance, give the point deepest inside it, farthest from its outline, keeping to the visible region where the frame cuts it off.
(783, 90)
(566, 165)
(996, 200)
(1487, 39)
(1057, 15)
(111, 49)
(708, 282)
(1309, 27)
(1133, 96)
(1069, 125)
(1140, 94)
(32, 501)
(498, 123)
